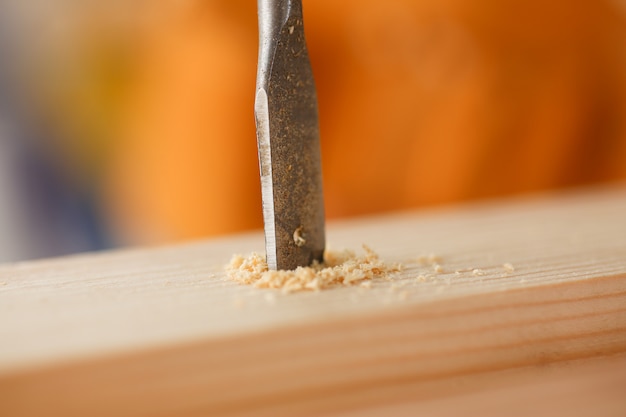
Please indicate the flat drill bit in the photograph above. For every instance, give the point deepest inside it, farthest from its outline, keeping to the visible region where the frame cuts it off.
(288, 139)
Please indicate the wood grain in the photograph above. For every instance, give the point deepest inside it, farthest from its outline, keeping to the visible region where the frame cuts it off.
(162, 331)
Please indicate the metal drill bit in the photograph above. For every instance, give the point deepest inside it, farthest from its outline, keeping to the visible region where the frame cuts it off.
(288, 139)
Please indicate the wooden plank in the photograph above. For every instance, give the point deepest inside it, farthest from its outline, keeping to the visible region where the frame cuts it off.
(162, 331)
(589, 387)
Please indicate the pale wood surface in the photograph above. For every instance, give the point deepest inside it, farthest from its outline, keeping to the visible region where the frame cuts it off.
(162, 331)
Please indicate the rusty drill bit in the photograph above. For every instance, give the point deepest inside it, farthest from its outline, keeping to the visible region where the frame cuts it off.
(288, 139)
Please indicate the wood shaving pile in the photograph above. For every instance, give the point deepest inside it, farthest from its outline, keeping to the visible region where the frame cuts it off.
(338, 269)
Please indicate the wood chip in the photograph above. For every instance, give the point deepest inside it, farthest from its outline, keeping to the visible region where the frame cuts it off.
(429, 259)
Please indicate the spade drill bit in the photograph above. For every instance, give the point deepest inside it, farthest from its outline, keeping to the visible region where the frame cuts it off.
(288, 139)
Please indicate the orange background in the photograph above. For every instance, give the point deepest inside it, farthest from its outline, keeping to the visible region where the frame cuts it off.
(421, 103)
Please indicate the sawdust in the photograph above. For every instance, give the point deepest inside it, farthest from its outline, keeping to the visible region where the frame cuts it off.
(430, 259)
(343, 268)
(478, 272)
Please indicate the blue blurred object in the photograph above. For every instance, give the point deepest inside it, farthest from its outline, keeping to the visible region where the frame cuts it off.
(42, 214)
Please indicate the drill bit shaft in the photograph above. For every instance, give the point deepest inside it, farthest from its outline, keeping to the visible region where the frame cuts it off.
(288, 139)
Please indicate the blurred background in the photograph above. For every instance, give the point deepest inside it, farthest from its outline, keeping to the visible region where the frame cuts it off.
(131, 122)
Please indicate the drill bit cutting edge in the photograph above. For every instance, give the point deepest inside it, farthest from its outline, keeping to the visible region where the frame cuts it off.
(288, 139)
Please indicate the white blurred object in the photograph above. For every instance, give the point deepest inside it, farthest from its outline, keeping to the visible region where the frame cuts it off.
(14, 227)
